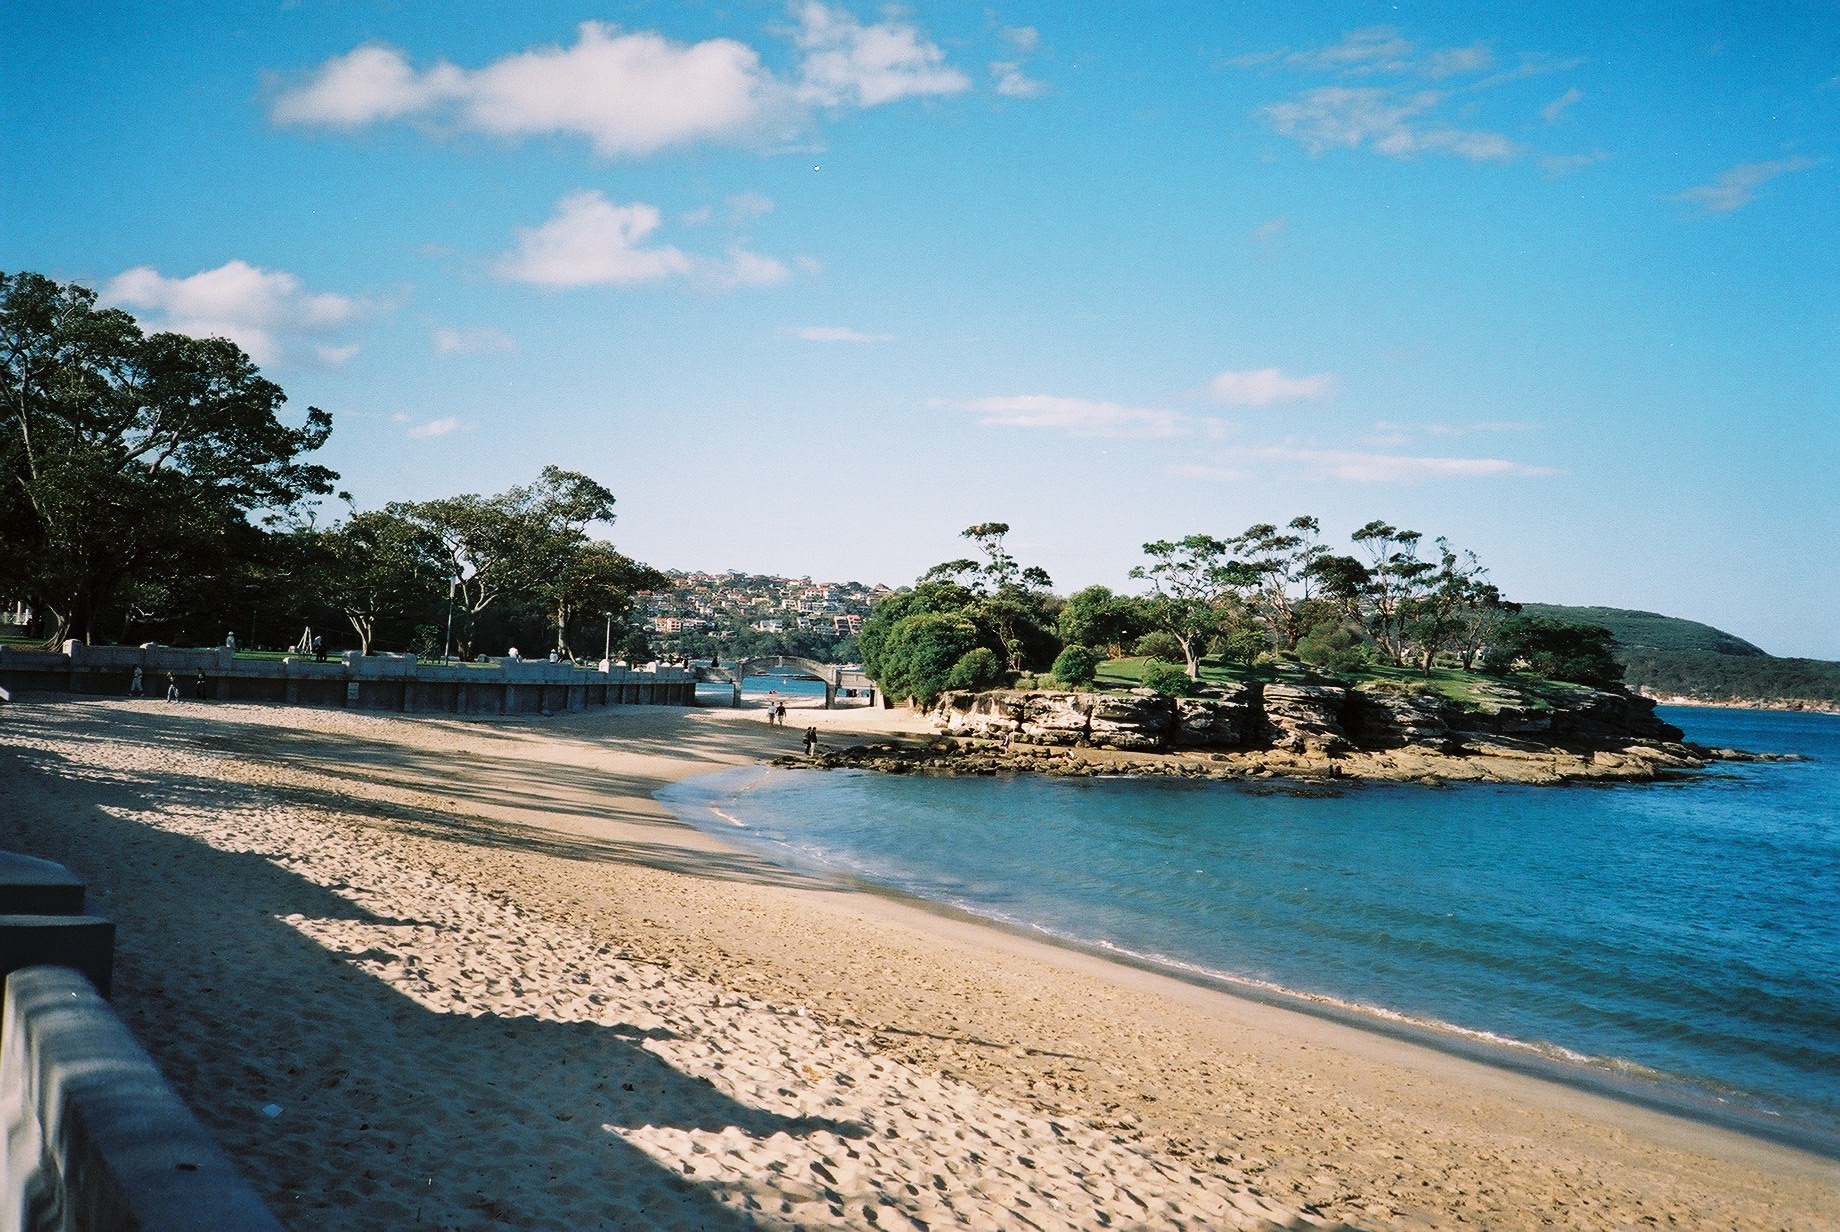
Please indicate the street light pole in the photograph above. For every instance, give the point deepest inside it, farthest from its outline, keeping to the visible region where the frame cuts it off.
(607, 654)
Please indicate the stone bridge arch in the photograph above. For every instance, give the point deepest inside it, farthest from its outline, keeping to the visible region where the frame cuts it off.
(833, 676)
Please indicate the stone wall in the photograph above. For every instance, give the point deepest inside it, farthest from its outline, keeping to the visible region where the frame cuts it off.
(1304, 718)
(95, 1139)
(375, 682)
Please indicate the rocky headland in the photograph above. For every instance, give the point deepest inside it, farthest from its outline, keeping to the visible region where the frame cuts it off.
(1378, 730)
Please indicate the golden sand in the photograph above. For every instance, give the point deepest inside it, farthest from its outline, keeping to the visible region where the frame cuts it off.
(441, 973)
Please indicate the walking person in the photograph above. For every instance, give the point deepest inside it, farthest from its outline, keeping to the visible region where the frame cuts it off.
(135, 685)
(811, 742)
(172, 688)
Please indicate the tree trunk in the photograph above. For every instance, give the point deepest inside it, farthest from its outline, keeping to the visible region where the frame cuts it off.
(365, 628)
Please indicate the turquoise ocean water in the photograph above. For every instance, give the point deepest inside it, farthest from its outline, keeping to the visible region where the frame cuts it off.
(1682, 939)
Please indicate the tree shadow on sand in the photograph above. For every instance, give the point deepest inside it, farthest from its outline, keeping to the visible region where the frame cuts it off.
(379, 1112)
(490, 778)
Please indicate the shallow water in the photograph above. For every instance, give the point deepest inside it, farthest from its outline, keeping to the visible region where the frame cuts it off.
(1686, 932)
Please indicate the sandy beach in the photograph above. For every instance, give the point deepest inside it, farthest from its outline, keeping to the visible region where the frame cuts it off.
(424, 972)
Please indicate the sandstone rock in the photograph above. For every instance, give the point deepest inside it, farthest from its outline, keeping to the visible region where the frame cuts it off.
(1221, 718)
(1304, 717)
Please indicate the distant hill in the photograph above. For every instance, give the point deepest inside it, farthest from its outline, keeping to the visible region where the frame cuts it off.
(1682, 658)
(1651, 631)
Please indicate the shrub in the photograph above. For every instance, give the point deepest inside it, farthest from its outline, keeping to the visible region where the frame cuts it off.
(1166, 678)
(1242, 644)
(1332, 647)
(1158, 645)
(922, 652)
(977, 669)
(1077, 665)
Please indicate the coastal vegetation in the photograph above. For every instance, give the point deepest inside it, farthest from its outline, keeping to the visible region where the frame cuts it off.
(151, 490)
(1220, 608)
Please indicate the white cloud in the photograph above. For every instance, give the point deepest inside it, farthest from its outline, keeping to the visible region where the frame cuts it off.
(1455, 61)
(1383, 120)
(1264, 386)
(1565, 164)
(741, 268)
(848, 63)
(590, 241)
(1380, 49)
(1271, 228)
(1074, 416)
(1023, 38)
(743, 207)
(262, 311)
(627, 93)
(1530, 66)
(837, 333)
(1553, 110)
(1354, 466)
(1012, 82)
(363, 86)
(1739, 185)
(435, 427)
(336, 356)
(478, 341)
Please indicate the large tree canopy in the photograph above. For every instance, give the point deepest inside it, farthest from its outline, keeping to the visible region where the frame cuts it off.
(530, 544)
(127, 458)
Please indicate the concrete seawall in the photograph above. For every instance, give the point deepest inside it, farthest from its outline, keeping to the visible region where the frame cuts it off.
(385, 682)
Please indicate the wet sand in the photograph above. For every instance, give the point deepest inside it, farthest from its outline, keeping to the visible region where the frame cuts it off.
(487, 980)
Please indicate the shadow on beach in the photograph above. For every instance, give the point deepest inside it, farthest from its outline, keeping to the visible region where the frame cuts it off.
(496, 776)
(379, 1111)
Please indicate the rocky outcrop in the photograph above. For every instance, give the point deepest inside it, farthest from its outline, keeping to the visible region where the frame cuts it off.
(1311, 719)
(1141, 720)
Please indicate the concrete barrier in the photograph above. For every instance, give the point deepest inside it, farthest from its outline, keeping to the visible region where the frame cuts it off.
(96, 1141)
(386, 682)
(31, 886)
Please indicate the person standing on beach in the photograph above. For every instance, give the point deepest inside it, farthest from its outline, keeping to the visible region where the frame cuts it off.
(200, 687)
(135, 687)
(172, 688)
(811, 742)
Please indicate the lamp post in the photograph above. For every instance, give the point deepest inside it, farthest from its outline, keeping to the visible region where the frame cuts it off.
(607, 654)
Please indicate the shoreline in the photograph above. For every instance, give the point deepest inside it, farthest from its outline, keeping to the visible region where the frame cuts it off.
(1789, 705)
(1541, 1061)
(498, 865)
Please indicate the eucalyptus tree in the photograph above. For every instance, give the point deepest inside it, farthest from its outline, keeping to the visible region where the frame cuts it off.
(376, 566)
(1011, 599)
(1192, 581)
(1396, 579)
(1284, 563)
(126, 456)
(512, 545)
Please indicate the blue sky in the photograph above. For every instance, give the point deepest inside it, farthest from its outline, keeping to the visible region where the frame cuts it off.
(812, 287)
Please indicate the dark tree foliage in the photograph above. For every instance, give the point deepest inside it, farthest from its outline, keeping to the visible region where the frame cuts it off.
(132, 465)
(1096, 617)
(1557, 650)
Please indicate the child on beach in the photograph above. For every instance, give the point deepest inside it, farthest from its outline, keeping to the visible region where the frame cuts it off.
(134, 684)
(172, 688)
